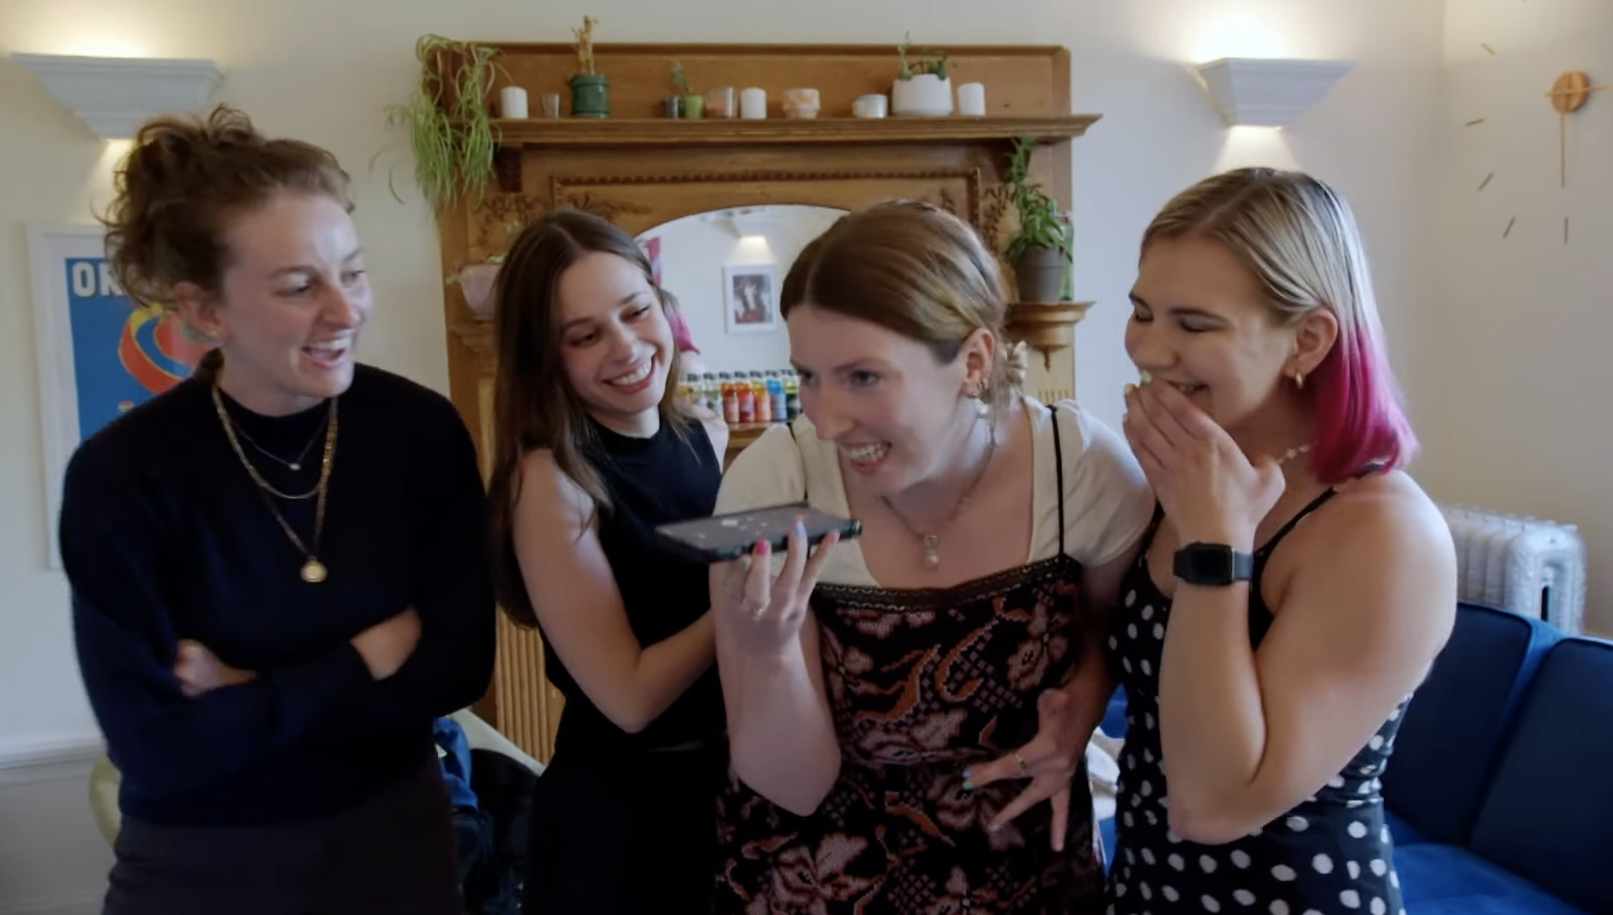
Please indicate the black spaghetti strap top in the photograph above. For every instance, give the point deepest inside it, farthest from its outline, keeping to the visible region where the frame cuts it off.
(664, 478)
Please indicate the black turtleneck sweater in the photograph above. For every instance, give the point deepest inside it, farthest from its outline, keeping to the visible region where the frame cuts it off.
(164, 536)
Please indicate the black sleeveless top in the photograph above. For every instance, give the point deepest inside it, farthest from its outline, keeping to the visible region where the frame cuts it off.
(651, 481)
(1331, 853)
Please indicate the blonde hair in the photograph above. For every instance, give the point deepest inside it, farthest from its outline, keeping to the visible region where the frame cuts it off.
(1299, 239)
(915, 269)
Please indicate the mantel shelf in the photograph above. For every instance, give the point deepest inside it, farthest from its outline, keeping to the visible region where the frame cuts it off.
(738, 132)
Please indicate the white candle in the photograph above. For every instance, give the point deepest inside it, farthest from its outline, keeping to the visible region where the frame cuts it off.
(753, 104)
(972, 100)
(512, 103)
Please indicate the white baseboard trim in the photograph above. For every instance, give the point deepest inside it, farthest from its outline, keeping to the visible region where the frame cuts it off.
(48, 758)
(89, 904)
(53, 859)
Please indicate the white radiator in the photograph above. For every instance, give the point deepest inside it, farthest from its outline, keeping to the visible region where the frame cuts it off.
(1526, 565)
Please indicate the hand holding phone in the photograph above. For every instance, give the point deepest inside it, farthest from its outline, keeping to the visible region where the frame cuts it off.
(723, 538)
(765, 612)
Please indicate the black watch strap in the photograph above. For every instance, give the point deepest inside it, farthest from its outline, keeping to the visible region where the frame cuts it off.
(1212, 564)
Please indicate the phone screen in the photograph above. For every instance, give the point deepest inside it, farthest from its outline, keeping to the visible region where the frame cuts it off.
(724, 537)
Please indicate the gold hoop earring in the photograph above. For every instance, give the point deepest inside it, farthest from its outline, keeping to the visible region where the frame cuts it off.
(1299, 380)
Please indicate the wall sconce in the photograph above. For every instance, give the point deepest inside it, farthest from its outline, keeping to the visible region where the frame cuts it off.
(115, 95)
(1268, 92)
(745, 222)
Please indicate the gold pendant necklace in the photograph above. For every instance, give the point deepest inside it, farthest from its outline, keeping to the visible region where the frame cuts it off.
(930, 543)
(313, 571)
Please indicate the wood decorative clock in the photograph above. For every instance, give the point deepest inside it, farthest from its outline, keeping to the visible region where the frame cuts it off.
(1568, 94)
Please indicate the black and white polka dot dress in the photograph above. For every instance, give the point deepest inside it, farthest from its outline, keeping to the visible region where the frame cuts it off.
(1331, 855)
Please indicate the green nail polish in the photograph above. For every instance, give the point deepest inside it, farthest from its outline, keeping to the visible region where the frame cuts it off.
(968, 785)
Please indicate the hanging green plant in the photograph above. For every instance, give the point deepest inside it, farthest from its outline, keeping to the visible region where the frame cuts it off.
(451, 131)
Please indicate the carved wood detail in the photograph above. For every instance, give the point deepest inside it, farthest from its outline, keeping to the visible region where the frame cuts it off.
(564, 189)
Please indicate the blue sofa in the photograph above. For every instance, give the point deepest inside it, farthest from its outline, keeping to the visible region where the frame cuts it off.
(1499, 794)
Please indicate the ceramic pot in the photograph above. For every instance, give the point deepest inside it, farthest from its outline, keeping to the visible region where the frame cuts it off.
(476, 283)
(1039, 274)
(590, 95)
(924, 96)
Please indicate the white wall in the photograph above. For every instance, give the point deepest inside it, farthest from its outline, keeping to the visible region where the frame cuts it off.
(325, 71)
(1526, 421)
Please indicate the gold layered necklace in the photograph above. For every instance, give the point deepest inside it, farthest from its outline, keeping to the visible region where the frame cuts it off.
(313, 571)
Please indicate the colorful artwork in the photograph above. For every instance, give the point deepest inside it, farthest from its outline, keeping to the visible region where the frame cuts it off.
(122, 355)
(99, 356)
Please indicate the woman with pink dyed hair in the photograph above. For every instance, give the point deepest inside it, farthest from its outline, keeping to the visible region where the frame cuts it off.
(1296, 584)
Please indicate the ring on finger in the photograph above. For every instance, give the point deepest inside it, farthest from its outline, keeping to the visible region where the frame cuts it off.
(1024, 770)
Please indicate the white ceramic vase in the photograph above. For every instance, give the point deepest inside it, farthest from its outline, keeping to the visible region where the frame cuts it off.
(924, 96)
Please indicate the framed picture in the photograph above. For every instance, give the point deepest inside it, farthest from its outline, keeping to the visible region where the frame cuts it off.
(750, 298)
(98, 355)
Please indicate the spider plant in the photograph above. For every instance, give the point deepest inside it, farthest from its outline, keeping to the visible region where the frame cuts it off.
(451, 131)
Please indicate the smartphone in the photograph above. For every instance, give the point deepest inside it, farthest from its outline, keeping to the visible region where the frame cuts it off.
(721, 538)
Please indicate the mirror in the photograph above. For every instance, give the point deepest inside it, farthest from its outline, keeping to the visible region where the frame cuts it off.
(726, 267)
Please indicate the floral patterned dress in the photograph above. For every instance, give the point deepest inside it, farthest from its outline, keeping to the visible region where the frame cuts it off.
(923, 684)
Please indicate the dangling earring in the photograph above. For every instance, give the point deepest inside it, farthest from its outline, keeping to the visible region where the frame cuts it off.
(979, 396)
(1299, 381)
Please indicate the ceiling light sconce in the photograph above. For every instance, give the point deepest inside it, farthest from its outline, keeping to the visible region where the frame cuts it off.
(1268, 92)
(115, 95)
(746, 222)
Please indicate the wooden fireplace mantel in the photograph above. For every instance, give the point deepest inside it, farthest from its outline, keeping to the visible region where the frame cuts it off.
(641, 169)
(779, 131)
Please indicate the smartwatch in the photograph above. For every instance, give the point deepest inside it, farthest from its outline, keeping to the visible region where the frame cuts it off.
(1212, 564)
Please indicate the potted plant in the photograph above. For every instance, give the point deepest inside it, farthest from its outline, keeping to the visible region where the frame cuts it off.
(590, 89)
(1040, 251)
(451, 130)
(923, 88)
(686, 103)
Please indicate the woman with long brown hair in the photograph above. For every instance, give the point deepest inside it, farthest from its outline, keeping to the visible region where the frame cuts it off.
(278, 573)
(593, 449)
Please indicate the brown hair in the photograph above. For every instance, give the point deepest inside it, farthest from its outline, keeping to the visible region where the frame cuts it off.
(915, 269)
(534, 404)
(182, 180)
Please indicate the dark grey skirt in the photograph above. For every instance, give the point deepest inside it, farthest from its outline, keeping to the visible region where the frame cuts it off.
(392, 854)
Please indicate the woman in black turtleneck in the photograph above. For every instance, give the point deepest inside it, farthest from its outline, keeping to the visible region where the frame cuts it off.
(593, 450)
(277, 572)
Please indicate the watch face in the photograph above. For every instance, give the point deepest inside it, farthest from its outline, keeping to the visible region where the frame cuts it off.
(1211, 564)
(1208, 563)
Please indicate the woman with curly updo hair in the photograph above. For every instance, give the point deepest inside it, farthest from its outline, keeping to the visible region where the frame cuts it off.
(277, 566)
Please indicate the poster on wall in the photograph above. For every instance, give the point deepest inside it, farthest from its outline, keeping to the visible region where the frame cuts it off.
(750, 298)
(98, 355)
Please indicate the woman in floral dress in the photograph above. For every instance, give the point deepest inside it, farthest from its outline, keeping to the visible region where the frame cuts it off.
(908, 711)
